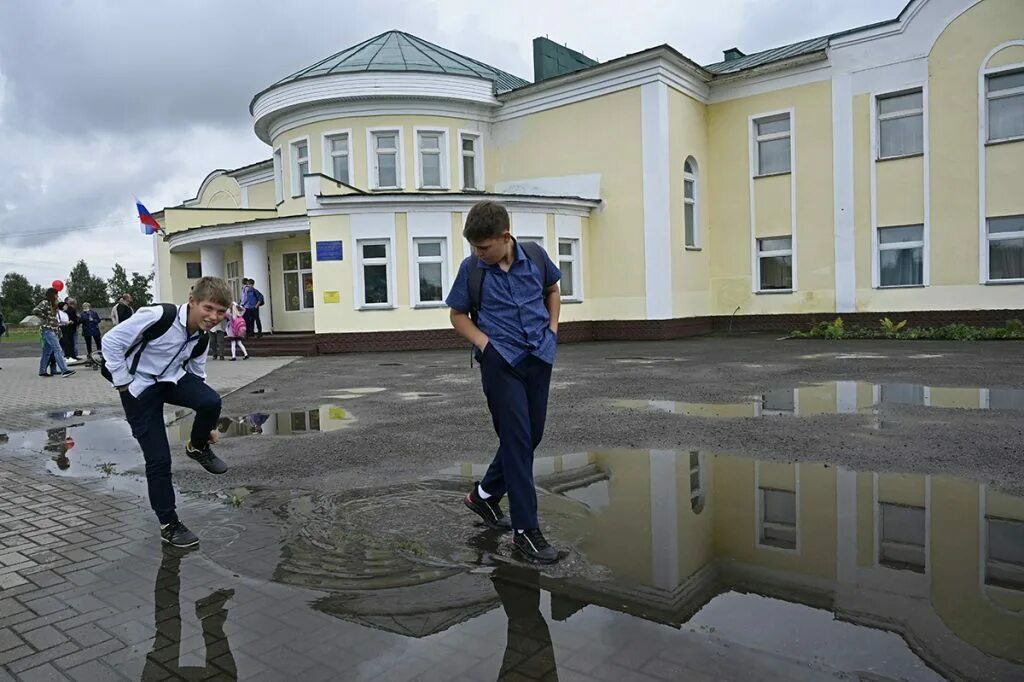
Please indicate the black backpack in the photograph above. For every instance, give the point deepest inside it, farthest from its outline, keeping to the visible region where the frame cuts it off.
(533, 251)
(155, 331)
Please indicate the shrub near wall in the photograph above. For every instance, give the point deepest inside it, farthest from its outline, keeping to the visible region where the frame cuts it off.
(887, 329)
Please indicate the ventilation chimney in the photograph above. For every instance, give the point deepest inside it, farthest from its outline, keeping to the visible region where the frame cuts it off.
(551, 59)
(733, 53)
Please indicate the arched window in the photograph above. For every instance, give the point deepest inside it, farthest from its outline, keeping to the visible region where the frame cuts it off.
(691, 213)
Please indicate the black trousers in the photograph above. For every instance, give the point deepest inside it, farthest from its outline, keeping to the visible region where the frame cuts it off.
(518, 400)
(145, 415)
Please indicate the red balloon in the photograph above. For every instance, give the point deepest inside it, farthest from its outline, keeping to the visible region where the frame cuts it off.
(58, 285)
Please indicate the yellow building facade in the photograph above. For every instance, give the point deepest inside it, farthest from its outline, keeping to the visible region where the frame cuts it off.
(873, 171)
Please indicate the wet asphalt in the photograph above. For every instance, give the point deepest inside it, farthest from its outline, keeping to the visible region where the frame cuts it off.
(398, 438)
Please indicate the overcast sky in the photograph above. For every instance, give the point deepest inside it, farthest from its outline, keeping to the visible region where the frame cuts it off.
(101, 100)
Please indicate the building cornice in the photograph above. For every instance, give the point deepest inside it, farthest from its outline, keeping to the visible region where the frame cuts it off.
(432, 87)
(449, 202)
(229, 232)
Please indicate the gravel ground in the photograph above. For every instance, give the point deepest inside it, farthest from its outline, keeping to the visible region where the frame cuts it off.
(395, 438)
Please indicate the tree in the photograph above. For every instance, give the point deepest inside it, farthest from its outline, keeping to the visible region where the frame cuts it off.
(118, 285)
(140, 289)
(16, 297)
(137, 286)
(84, 286)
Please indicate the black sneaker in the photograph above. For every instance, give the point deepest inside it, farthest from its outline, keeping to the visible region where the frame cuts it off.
(205, 457)
(532, 543)
(69, 373)
(44, 374)
(489, 510)
(176, 534)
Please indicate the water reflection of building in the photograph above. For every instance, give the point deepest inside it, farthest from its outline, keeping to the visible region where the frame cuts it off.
(323, 418)
(938, 560)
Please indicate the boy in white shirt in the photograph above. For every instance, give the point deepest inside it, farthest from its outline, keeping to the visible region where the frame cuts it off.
(151, 370)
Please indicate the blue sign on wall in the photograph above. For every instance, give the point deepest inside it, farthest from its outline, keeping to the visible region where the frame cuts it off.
(328, 251)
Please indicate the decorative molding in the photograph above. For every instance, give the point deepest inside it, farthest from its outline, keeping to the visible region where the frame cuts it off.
(748, 85)
(588, 185)
(213, 175)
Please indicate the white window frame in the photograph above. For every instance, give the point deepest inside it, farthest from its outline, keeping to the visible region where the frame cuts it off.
(478, 160)
(444, 151)
(328, 155)
(759, 511)
(416, 260)
(779, 252)
(1001, 236)
(571, 227)
(882, 541)
(429, 226)
(371, 158)
(694, 178)
(904, 113)
(387, 261)
(768, 137)
(531, 226)
(573, 258)
(300, 271)
(298, 184)
(1013, 92)
(278, 176)
(899, 246)
(234, 280)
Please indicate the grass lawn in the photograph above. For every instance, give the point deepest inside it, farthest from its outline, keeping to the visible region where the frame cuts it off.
(21, 335)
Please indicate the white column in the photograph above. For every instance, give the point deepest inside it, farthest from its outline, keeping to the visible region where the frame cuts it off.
(846, 526)
(256, 267)
(212, 259)
(664, 519)
(657, 230)
(842, 152)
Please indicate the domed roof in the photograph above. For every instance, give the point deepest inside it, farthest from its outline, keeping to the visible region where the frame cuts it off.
(399, 51)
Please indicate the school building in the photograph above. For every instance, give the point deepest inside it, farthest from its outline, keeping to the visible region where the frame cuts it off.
(871, 172)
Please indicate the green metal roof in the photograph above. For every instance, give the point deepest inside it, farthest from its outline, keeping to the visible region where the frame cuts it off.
(399, 51)
(777, 54)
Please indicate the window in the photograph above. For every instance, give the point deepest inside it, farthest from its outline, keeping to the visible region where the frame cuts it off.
(778, 518)
(430, 270)
(193, 270)
(775, 263)
(298, 281)
(901, 256)
(386, 159)
(900, 124)
(374, 260)
(1005, 99)
(690, 202)
(337, 156)
(568, 263)
(304, 421)
(432, 156)
(696, 487)
(778, 401)
(773, 144)
(901, 544)
(299, 151)
(278, 177)
(233, 280)
(1005, 399)
(1006, 248)
(471, 168)
(1004, 563)
(902, 394)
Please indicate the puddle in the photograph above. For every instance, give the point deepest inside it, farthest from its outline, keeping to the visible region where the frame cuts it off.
(840, 397)
(354, 393)
(419, 396)
(69, 414)
(106, 447)
(847, 567)
(261, 391)
(643, 360)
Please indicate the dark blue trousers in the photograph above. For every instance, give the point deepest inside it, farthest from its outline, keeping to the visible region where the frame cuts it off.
(518, 400)
(145, 415)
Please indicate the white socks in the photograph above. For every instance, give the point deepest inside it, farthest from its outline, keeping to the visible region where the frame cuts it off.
(480, 493)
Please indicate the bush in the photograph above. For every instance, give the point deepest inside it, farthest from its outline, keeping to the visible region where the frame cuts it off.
(1014, 329)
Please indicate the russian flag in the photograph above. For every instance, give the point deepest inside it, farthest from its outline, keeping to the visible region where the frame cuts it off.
(149, 223)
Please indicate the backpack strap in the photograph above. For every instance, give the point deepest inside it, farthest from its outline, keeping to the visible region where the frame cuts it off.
(200, 349)
(153, 331)
(535, 252)
(476, 287)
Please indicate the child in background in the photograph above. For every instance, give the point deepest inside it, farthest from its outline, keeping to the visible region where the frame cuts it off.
(236, 330)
